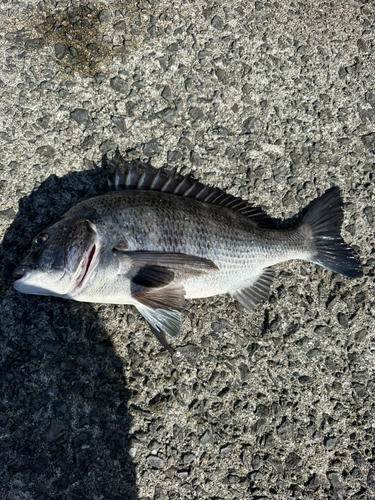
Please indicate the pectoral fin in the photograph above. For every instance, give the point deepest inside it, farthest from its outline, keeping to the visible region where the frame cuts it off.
(155, 284)
(136, 264)
(170, 298)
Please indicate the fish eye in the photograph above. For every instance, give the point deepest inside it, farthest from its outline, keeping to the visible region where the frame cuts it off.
(40, 239)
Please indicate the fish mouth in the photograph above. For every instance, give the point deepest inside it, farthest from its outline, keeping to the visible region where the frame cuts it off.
(20, 275)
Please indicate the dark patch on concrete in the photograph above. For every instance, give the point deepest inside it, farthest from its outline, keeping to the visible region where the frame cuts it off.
(81, 36)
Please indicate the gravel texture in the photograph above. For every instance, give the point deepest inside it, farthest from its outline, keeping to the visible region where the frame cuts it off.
(273, 101)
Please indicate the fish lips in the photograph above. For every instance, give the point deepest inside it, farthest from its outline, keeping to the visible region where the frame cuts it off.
(23, 285)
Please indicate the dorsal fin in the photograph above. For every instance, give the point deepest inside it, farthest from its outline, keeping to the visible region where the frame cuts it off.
(158, 180)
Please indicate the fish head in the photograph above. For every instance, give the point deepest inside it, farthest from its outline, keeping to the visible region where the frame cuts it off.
(61, 259)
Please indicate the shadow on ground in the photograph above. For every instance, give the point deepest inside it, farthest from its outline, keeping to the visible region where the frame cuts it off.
(64, 425)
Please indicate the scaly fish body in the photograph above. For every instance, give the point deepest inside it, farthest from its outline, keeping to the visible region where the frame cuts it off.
(166, 239)
(162, 222)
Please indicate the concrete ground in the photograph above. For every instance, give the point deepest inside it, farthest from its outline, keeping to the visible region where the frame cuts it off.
(273, 101)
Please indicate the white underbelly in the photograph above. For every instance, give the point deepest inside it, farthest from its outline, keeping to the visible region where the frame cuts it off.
(208, 285)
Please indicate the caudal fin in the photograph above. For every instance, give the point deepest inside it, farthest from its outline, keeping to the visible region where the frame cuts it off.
(323, 222)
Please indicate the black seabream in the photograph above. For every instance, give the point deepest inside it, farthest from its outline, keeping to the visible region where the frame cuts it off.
(155, 240)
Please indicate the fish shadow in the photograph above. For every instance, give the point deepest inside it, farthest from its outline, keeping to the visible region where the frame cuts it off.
(64, 422)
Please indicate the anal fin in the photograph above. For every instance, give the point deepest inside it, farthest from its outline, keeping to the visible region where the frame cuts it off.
(250, 297)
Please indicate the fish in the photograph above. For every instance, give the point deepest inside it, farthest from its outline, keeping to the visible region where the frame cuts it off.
(156, 239)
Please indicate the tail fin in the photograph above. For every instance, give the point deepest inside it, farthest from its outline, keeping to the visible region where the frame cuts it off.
(323, 221)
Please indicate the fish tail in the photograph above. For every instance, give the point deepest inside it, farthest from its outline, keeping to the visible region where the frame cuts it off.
(322, 222)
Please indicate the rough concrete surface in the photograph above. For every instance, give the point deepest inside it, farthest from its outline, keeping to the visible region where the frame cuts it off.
(273, 101)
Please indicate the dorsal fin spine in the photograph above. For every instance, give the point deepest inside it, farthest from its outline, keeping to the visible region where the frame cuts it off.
(187, 187)
(141, 180)
(190, 189)
(167, 183)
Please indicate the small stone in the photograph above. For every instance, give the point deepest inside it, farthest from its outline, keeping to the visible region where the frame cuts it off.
(312, 353)
(343, 320)
(302, 342)
(249, 124)
(251, 348)
(356, 472)
(246, 89)
(292, 460)
(163, 61)
(370, 98)
(107, 146)
(258, 426)
(226, 450)
(81, 116)
(34, 43)
(262, 411)
(174, 156)
(362, 45)
(206, 438)
(188, 457)
(151, 148)
(323, 330)
(119, 121)
(330, 443)
(202, 54)
(195, 158)
(56, 430)
(92, 47)
(184, 142)
(88, 142)
(166, 94)
(304, 380)
(178, 432)
(190, 353)
(119, 85)
(8, 214)
(312, 483)
(104, 16)
(334, 479)
(360, 336)
(221, 75)
(5, 137)
(233, 479)
(46, 151)
(155, 462)
(167, 115)
(44, 121)
(60, 50)
(343, 73)
(173, 47)
(73, 51)
(222, 131)
(195, 113)
(360, 297)
(130, 106)
(288, 199)
(244, 371)
(286, 430)
(217, 22)
(360, 389)
(159, 493)
(120, 26)
(369, 141)
(360, 375)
